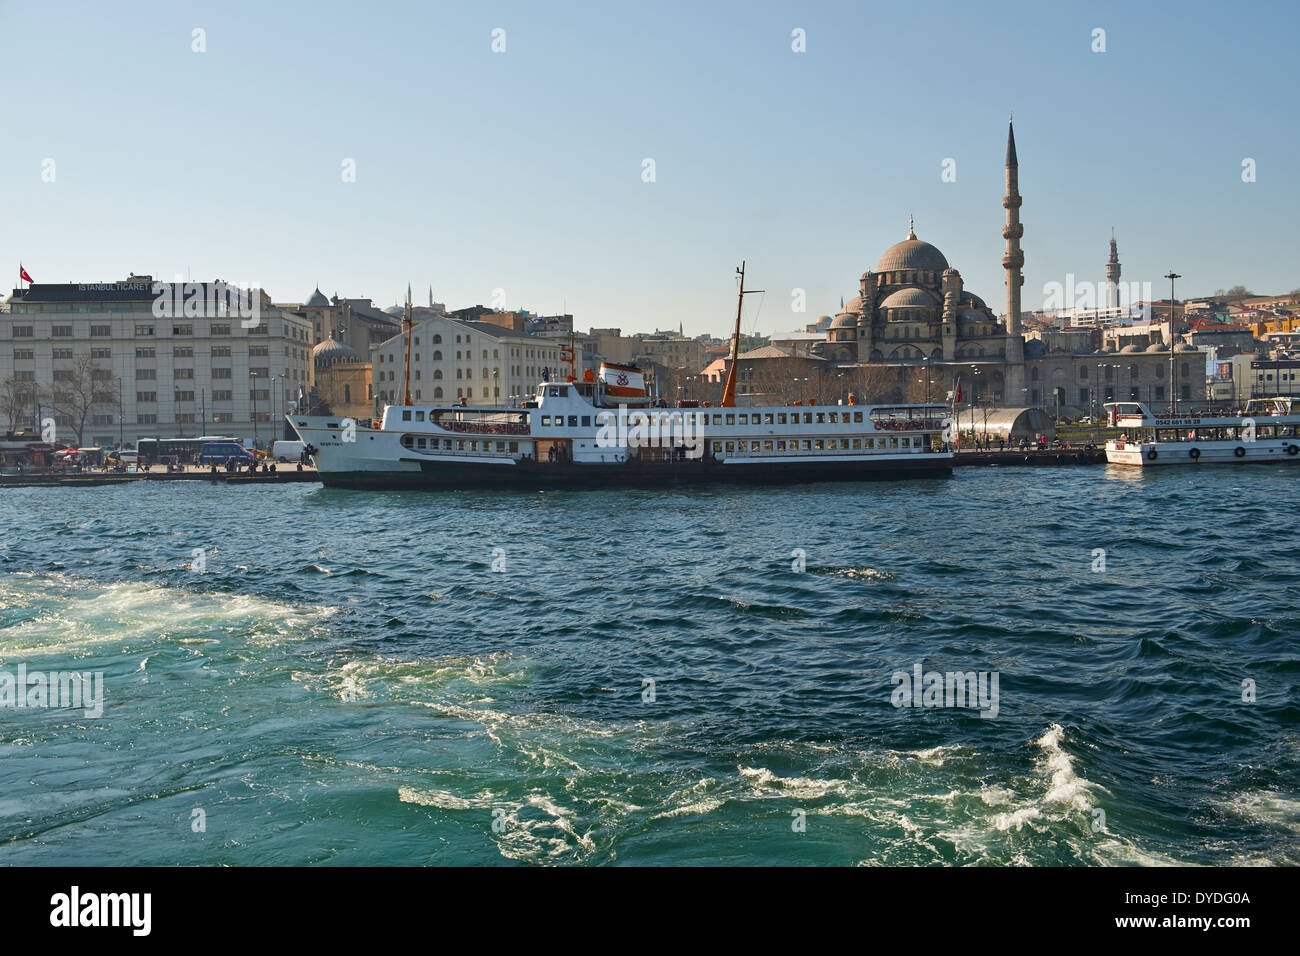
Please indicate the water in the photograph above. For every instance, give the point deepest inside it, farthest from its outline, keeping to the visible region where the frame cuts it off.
(348, 681)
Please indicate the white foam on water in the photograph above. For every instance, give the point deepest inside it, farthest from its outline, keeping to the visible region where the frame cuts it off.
(765, 783)
(64, 614)
(1267, 807)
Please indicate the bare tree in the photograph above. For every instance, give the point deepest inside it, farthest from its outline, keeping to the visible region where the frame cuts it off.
(17, 398)
(79, 390)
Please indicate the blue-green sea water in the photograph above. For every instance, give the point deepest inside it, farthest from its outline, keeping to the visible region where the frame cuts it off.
(298, 675)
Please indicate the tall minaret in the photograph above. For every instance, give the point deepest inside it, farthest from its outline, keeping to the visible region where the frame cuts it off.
(1112, 275)
(1013, 260)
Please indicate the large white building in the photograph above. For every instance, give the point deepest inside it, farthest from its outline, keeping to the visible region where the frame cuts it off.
(165, 360)
(482, 363)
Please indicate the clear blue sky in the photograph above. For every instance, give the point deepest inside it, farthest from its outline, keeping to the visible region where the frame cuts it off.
(522, 170)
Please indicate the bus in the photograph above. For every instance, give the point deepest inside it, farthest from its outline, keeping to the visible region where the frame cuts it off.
(185, 450)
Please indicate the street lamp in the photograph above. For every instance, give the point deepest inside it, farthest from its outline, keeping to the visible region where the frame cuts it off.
(1173, 389)
(252, 394)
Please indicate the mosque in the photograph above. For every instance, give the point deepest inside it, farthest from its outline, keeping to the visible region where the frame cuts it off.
(913, 307)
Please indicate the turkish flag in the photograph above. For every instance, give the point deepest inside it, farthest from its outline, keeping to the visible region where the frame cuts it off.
(22, 274)
(959, 394)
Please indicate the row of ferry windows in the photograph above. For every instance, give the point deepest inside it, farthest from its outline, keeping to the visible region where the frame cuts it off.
(791, 418)
(817, 444)
(458, 444)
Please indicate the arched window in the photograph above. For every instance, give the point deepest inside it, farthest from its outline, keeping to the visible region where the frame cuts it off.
(437, 355)
(437, 392)
(347, 394)
(437, 373)
(437, 340)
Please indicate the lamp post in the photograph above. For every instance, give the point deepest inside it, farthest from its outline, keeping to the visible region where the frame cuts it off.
(121, 440)
(252, 394)
(1173, 385)
(925, 370)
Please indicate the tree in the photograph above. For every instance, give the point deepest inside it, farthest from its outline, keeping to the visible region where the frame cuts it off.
(17, 398)
(79, 390)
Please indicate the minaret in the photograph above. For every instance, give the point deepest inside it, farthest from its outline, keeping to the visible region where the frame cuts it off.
(1013, 260)
(1112, 275)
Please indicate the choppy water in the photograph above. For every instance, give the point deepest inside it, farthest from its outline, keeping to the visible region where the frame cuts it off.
(348, 680)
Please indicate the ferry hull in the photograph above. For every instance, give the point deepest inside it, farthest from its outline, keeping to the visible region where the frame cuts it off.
(1207, 453)
(533, 476)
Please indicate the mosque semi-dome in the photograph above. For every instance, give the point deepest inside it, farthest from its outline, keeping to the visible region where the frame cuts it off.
(1131, 349)
(845, 320)
(911, 298)
(318, 300)
(1157, 347)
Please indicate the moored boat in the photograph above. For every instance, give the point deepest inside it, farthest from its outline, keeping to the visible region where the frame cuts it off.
(1266, 430)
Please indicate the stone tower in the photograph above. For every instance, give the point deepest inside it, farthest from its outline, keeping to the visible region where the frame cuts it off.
(1112, 275)
(1013, 260)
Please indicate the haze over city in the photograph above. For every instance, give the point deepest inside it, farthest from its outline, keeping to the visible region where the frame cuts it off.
(522, 170)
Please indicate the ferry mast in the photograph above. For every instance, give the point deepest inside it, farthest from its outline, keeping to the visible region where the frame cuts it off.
(729, 390)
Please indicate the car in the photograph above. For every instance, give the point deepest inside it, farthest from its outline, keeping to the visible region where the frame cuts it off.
(219, 453)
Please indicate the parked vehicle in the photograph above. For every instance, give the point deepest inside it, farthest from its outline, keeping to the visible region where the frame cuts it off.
(219, 453)
(287, 450)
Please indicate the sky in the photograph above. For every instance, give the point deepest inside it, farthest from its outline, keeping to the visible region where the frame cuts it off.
(524, 170)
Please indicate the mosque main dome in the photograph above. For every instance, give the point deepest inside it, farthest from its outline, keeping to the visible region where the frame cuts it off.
(912, 254)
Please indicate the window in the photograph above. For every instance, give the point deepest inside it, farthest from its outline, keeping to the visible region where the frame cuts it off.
(260, 372)
(146, 396)
(221, 373)
(183, 351)
(183, 396)
(1083, 373)
(102, 353)
(146, 373)
(259, 394)
(24, 353)
(220, 329)
(221, 351)
(183, 373)
(100, 331)
(146, 419)
(222, 395)
(62, 354)
(258, 351)
(22, 331)
(144, 330)
(182, 330)
(61, 331)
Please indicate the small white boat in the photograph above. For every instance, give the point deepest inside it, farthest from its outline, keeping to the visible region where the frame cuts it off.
(1266, 430)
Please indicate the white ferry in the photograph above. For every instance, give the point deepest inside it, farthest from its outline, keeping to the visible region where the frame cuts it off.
(607, 433)
(1267, 430)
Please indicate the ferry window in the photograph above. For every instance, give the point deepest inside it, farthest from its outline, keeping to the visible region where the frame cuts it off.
(857, 443)
(893, 442)
(807, 418)
(717, 419)
(780, 446)
(781, 418)
(731, 446)
(586, 421)
(731, 419)
(907, 443)
(460, 444)
(717, 447)
(447, 444)
(833, 418)
(857, 416)
(419, 416)
(501, 446)
(821, 418)
(844, 443)
(573, 421)
(546, 419)
(767, 419)
(419, 443)
(406, 415)
(767, 446)
(753, 446)
(807, 444)
(817, 445)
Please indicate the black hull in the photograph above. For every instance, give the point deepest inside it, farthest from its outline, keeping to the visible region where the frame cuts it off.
(534, 476)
